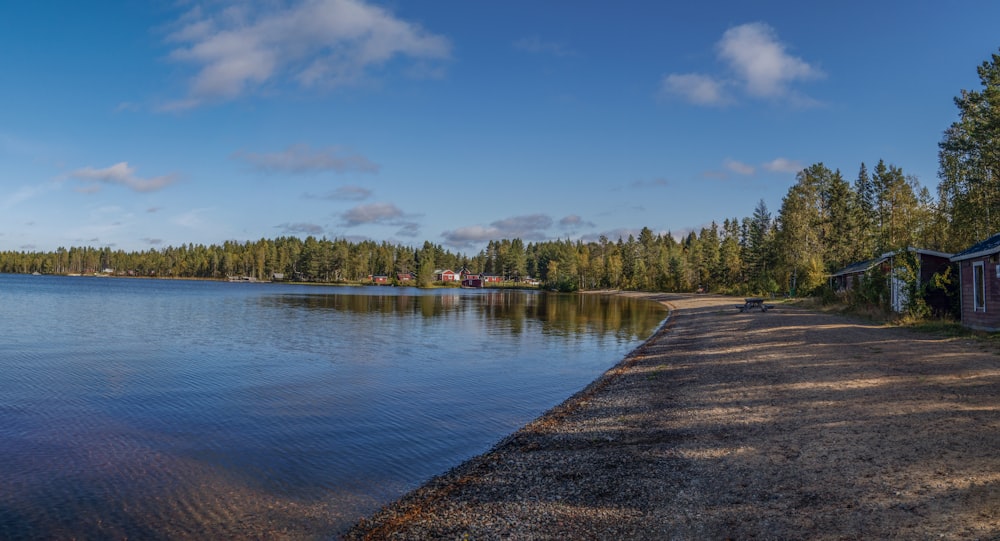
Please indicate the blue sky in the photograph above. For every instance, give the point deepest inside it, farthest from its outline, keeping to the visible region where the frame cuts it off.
(140, 125)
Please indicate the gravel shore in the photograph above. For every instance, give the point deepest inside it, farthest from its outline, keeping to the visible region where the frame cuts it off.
(789, 424)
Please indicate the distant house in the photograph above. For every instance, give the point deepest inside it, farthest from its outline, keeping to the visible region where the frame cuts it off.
(464, 273)
(472, 280)
(378, 279)
(403, 277)
(979, 284)
(930, 262)
(848, 277)
(491, 278)
(446, 275)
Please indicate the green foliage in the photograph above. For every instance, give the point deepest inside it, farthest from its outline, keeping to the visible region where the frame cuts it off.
(969, 161)
(873, 290)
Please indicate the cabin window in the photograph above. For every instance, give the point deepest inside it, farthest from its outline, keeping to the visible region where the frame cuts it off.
(978, 287)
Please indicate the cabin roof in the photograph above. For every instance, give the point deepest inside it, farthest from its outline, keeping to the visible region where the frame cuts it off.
(987, 247)
(861, 266)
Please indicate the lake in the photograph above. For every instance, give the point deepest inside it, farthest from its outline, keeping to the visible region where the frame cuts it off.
(161, 409)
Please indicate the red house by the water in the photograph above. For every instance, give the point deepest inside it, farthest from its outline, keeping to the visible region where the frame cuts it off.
(446, 275)
(979, 284)
(472, 280)
(378, 279)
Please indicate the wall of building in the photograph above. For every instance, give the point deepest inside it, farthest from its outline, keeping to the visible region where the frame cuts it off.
(990, 319)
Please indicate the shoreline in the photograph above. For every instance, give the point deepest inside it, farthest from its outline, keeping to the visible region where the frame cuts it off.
(380, 524)
(790, 424)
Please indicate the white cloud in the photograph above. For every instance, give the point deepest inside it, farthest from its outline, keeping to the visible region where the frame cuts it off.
(343, 193)
(518, 225)
(528, 227)
(121, 174)
(696, 88)
(373, 213)
(469, 236)
(573, 221)
(315, 43)
(303, 159)
(760, 60)
(783, 165)
(758, 66)
(301, 227)
(739, 167)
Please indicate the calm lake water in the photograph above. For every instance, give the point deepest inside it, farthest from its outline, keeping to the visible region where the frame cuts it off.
(156, 409)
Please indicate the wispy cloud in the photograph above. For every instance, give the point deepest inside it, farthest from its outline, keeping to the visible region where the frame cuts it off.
(739, 167)
(303, 159)
(373, 213)
(731, 166)
(239, 47)
(343, 193)
(574, 222)
(696, 88)
(536, 45)
(757, 64)
(381, 214)
(120, 174)
(654, 183)
(528, 227)
(783, 165)
(299, 228)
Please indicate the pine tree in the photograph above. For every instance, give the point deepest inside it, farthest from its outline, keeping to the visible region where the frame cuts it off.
(969, 161)
(863, 217)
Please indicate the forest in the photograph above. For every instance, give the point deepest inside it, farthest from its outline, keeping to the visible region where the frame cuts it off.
(825, 222)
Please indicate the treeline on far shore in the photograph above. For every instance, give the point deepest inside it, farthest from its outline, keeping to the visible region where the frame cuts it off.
(825, 222)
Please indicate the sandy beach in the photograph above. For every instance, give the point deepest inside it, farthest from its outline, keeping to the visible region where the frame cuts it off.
(790, 424)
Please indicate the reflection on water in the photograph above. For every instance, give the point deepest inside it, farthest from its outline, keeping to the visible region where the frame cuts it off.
(625, 318)
(153, 409)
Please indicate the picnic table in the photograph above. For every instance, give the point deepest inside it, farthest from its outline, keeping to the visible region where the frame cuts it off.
(754, 303)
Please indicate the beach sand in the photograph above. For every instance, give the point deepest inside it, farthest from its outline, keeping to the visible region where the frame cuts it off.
(790, 424)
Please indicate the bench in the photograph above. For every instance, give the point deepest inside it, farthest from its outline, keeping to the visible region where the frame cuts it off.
(754, 303)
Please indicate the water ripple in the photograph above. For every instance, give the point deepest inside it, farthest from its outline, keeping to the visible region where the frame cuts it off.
(158, 410)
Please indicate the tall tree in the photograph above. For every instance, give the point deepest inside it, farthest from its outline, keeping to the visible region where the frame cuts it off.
(838, 200)
(969, 160)
(896, 206)
(425, 265)
(759, 250)
(802, 227)
(863, 217)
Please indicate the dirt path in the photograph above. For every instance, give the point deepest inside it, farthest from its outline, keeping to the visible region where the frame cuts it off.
(788, 424)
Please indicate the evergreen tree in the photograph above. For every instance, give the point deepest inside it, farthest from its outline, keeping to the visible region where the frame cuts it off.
(863, 217)
(425, 265)
(969, 161)
(758, 252)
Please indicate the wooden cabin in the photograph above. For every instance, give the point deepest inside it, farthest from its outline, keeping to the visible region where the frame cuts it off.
(930, 262)
(979, 284)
